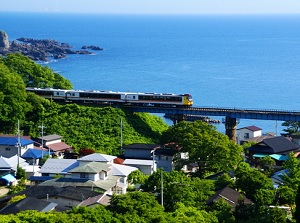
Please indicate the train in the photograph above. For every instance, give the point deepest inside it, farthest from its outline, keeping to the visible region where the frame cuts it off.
(114, 98)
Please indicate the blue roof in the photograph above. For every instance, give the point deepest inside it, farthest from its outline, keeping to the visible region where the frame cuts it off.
(34, 154)
(12, 141)
(9, 178)
(259, 155)
(279, 157)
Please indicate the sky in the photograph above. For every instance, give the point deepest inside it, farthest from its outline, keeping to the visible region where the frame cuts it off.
(155, 6)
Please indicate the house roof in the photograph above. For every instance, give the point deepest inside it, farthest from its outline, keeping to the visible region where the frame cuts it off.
(58, 165)
(29, 203)
(107, 184)
(60, 146)
(34, 154)
(50, 137)
(76, 193)
(12, 162)
(97, 157)
(275, 145)
(122, 170)
(258, 139)
(142, 146)
(138, 162)
(9, 178)
(119, 160)
(251, 128)
(230, 195)
(92, 167)
(165, 152)
(100, 199)
(13, 141)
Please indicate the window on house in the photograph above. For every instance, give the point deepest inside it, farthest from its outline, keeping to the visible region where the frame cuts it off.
(246, 136)
(7, 149)
(84, 175)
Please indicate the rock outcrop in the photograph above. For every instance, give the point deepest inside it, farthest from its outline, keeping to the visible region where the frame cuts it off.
(39, 50)
(4, 43)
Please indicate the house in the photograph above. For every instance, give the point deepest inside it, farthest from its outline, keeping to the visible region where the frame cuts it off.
(53, 143)
(94, 171)
(245, 133)
(229, 195)
(161, 156)
(13, 145)
(278, 148)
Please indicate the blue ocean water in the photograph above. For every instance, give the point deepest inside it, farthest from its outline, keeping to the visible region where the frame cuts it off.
(241, 61)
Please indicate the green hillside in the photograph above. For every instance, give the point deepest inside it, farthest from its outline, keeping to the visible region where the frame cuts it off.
(80, 126)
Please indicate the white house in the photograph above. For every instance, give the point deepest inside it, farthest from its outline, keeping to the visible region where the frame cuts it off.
(245, 133)
(92, 171)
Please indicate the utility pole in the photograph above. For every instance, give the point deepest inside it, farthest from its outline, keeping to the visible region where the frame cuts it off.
(162, 188)
(19, 142)
(42, 127)
(121, 135)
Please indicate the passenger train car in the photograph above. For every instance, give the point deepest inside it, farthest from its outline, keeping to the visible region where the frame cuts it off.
(110, 97)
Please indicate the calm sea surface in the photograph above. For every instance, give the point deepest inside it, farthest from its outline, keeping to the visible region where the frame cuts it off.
(223, 61)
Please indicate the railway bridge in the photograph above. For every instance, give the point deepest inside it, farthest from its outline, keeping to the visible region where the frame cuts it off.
(232, 115)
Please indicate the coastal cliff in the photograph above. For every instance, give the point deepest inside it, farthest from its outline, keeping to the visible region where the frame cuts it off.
(40, 50)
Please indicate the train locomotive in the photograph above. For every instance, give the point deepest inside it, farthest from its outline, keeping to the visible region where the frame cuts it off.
(115, 98)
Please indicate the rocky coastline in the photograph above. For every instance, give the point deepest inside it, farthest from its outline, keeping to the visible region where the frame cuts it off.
(41, 50)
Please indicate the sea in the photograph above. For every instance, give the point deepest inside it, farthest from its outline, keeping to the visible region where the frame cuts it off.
(228, 61)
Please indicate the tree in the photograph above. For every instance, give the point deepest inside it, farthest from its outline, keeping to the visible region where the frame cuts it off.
(268, 164)
(33, 74)
(223, 181)
(251, 181)
(21, 174)
(178, 188)
(223, 211)
(140, 206)
(13, 105)
(137, 177)
(191, 214)
(212, 150)
(297, 212)
(292, 176)
(292, 127)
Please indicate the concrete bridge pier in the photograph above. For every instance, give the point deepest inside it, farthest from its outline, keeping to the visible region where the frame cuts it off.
(230, 127)
(178, 118)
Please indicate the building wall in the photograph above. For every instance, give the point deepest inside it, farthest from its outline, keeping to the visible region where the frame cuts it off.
(245, 134)
(165, 162)
(10, 151)
(47, 143)
(138, 153)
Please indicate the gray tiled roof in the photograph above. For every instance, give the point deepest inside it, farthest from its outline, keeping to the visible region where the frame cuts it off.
(93, 167)
(97, 157)
(58, 165)
(275, 145)
(50, 137)
(28, 203)
(230, 195)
